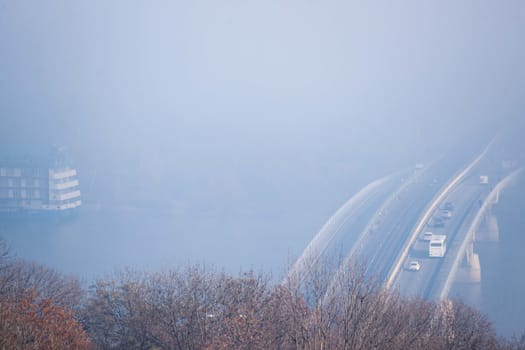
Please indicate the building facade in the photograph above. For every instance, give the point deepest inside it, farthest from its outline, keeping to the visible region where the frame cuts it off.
(37, 179)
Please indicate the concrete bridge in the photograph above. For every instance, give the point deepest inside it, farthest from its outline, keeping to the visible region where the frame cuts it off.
(382, 225)
(483, 228)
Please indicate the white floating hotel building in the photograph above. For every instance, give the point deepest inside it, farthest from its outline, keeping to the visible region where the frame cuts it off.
(36, 179)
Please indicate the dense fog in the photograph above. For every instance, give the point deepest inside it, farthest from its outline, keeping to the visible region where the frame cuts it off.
(210, 99)
(247, 123)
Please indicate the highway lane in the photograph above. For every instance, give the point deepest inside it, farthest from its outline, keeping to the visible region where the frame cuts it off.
(380, 245)
(341, 230)
(466, 198)
(347, 234)
(458, 177)
(378, 239)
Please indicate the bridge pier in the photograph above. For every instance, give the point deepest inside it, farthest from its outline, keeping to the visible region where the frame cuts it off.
(470, 271)
(488, 230)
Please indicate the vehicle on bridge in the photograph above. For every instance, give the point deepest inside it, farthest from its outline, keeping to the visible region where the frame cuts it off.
(426, 236)
(414, 265)
(446, 214)
(448, 206)
(437, 247)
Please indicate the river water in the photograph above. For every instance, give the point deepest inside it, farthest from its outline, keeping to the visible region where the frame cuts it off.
(101, 239)
(500, 294)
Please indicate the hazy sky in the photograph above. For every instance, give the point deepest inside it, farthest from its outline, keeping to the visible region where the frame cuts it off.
(219, 93)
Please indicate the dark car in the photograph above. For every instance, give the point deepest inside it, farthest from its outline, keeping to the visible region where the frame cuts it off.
(448, 206)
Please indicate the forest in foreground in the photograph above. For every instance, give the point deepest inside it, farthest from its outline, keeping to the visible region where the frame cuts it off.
(199, 307)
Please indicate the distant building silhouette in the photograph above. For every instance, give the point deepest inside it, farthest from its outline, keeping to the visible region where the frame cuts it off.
(37, 179)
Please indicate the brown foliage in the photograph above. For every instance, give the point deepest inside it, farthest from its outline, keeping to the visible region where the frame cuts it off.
(36, 306)
(28, 322)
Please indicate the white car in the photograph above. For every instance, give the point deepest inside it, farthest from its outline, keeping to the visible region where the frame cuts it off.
(414, 265)
(446, 214)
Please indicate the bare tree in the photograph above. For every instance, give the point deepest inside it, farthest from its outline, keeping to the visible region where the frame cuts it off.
(140, 310)
(470, 329)
(245, 313)
(513, 343)
(117, 315)
(20, 275)
(199, 308)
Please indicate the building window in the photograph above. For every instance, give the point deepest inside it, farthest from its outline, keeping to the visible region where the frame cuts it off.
(3, 172)
(18, 172)
(36, 194)
(36, 183)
